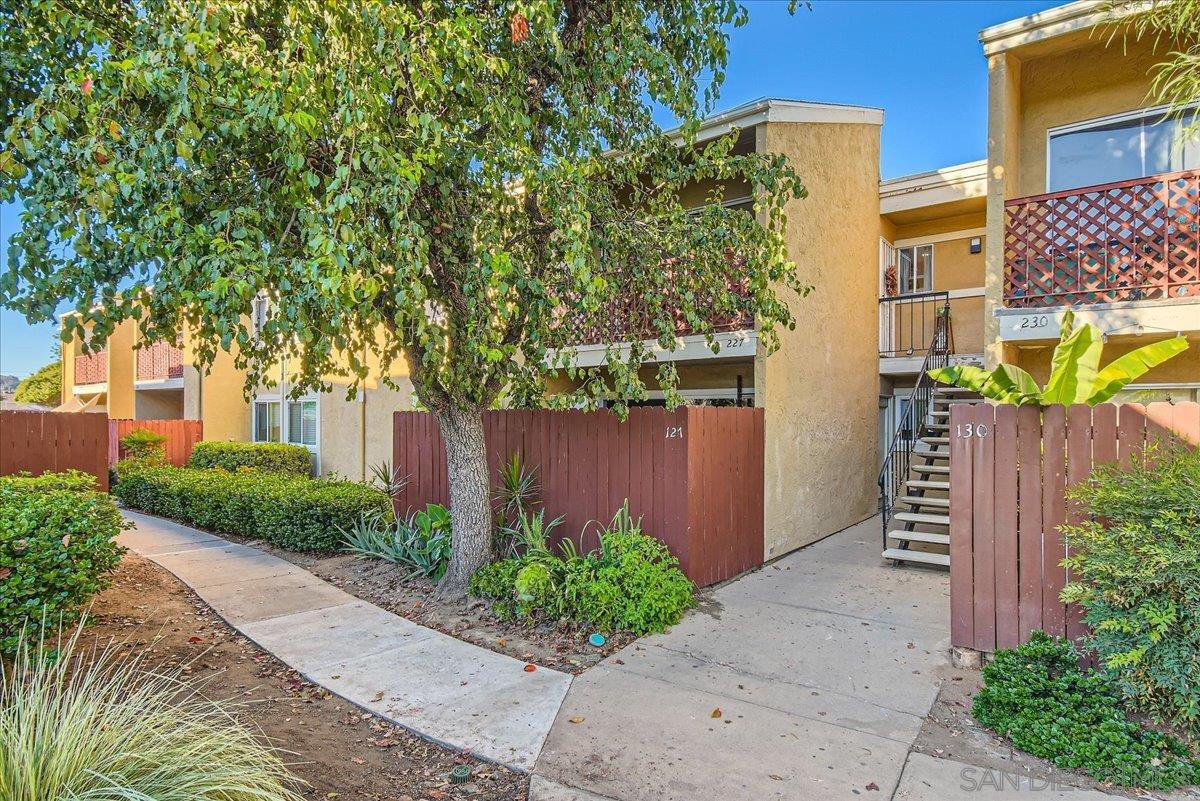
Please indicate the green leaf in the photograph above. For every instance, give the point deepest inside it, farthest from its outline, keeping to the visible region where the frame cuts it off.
(1074, 365)
(1132, 366)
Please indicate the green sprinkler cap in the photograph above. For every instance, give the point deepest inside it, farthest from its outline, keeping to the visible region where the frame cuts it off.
(461, 774)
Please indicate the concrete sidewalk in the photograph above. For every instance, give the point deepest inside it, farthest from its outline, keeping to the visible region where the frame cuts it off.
(806, 680)
(428, 682)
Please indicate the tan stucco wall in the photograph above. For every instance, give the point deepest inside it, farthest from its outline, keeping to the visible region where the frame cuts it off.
(344, 448)
(158, 404)
(939, 225)
(122, 370)
(216, 396)
(1183, 369)
(820, 390)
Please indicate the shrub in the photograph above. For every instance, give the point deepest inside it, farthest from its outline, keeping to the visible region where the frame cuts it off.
(70, 480)
(268, 457)
(1037, 696)
(1136, 566)
(113, 729)
(302, 514)
(144, 444)
(57, 549)
(421, 542)
(632, 582)
(43, 388)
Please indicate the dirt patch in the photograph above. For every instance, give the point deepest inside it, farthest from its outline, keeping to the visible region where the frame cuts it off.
(341, 752)
(562, 647)
(950, 732)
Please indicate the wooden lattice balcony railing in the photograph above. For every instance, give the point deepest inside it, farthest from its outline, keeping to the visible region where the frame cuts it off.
(91, 368)
(159, 362)
(1125, 241)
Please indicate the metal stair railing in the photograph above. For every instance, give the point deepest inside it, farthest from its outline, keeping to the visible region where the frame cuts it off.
(895, 470)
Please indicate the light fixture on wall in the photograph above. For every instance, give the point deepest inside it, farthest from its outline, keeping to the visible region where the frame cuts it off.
(976, 244)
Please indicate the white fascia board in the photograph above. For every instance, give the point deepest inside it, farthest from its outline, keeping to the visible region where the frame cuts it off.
(688, 348)
(949, 184)
(1151, 317)
(755, 112)
(1080, 15)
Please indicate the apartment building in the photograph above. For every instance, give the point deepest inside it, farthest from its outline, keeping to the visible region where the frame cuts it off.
(1087, 200)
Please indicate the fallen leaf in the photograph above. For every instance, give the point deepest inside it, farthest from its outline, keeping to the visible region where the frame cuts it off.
(776, 777)
(577, 719)
(195, 640)
(872, 786)
(530, 667)
(377, 697)
(716, 713)
(357, 760)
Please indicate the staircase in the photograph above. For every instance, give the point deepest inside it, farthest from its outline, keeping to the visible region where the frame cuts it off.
(914, 483)
(918, 528)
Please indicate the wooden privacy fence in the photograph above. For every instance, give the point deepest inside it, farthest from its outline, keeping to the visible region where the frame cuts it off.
(694, 474)
(35, 442)
(181, 436)
(1010, 468)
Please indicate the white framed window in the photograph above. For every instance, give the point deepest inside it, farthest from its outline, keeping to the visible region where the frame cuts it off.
(1120, 147)
(268, 420)
(302, 422)
(914, 268)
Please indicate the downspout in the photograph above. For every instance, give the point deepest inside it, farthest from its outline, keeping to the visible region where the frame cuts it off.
(362, 427)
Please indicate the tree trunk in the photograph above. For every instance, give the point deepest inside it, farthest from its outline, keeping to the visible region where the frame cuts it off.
(470, 498)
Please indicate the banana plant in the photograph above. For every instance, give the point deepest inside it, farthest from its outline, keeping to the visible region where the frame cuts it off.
(1075, 374)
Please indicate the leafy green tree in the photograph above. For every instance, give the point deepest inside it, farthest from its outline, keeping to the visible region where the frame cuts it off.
(1175, 79)
(43, 387)
(476, 180)
(1075, 374)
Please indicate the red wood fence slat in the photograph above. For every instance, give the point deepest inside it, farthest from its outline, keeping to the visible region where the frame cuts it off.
(1010, 471)
(181, 437)
(693, 474)
(35, 442)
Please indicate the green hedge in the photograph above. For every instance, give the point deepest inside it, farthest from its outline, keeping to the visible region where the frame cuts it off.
(268, 457)
(57, 549)
(301, 514)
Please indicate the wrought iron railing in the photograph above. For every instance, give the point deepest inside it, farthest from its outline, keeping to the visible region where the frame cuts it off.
(1124, 241)
(907, 322)
(912, 420)
(91, 368)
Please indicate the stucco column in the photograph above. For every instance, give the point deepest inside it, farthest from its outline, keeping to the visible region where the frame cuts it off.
(122, 370)
(1004, 94)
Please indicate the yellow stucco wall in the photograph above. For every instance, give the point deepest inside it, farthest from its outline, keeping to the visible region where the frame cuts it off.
(1183, 369)
(122, 370)
(820, 390)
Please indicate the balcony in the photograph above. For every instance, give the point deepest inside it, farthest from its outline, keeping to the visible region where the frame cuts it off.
(91, 368)
(159, 362)
(1123, 242)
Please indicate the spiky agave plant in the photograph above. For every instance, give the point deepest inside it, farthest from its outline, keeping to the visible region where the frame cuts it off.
(107, 728)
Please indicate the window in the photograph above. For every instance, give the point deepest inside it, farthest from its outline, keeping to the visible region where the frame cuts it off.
(266, 421)
(262, 311)
(302, 422)
(1135, 145)
(914, 267)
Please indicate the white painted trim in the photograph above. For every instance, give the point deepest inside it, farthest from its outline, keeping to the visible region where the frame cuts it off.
(763, 110)
(900, 278)
(947, 185)
(949, 236)
(733, 344)
(1077, 16)
(972, 292)
(158, 383)
(716, 393)
(90, 389)
(1153, 317)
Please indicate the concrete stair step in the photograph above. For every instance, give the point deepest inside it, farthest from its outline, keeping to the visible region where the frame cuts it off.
(922, 518)
(902, 555)
(916, 483)
(919, 536)
(938, 426)
(931, 469)
(936, 440)
(915, 500)
(940, 455)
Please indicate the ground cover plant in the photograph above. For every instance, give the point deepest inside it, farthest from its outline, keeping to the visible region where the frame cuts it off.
(302, 514)
(268, 457)
(631, 582)
(57, 549)
(76, 727)
(1038, 696)
(1135, 560)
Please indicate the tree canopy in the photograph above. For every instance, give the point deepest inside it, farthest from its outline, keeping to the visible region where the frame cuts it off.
(43, 388)
(464, 175)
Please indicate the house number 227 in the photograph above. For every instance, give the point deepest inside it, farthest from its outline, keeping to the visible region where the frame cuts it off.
(674, 432)
(970, 430)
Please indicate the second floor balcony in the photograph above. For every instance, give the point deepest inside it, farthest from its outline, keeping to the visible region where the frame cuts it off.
(91, 368)
(159, 362)
(1134, 240)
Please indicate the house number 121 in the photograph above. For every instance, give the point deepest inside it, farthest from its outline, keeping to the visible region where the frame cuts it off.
(674, 432)
(970, 430)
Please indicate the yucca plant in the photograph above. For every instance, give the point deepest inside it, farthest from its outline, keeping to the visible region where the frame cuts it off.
(101, 726)
(1075, 374)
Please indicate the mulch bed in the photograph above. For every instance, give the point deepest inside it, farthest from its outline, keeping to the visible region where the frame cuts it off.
(337, 749)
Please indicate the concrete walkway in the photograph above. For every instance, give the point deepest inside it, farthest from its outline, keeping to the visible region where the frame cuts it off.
(806, 680)
(431, 683)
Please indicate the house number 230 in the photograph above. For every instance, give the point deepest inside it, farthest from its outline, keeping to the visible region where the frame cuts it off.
(970, 430)
(674, 432)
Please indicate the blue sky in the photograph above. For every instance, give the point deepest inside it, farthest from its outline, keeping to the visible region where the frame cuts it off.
(919, 61)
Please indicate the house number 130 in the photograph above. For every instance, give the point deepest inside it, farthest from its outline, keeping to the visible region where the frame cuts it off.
(674, 432)
(970, 430)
